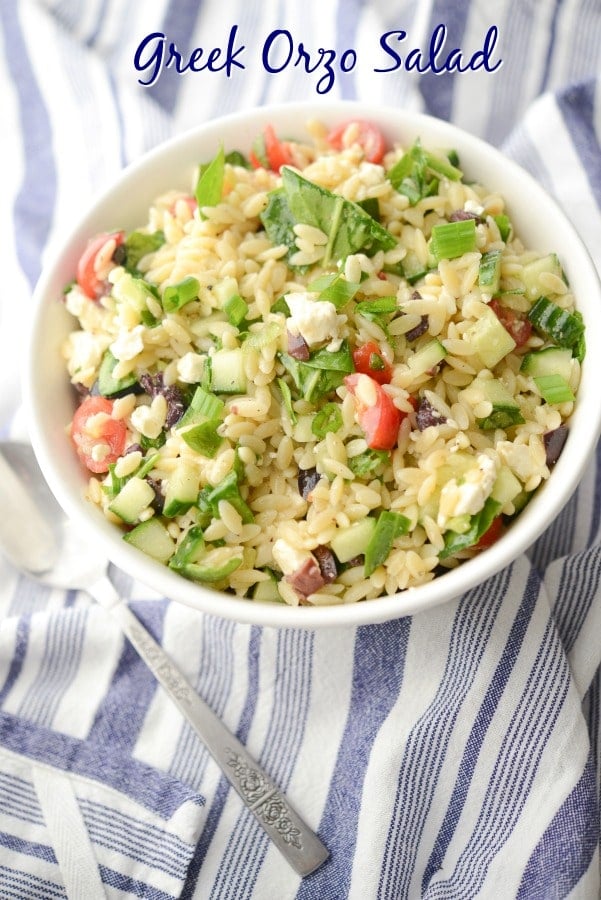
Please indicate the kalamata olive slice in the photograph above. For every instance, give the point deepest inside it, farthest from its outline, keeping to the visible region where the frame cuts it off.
(554, 443)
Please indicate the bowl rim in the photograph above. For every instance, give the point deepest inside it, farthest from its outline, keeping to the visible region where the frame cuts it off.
(443, 588)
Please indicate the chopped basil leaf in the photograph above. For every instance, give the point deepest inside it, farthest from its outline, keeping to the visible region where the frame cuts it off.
(138, 244)
(209, 186)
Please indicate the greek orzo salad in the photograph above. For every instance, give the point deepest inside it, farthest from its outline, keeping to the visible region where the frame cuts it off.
(329, 372)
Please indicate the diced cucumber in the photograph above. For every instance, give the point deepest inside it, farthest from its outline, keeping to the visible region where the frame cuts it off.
(214, 566)
(550, 361)
(134, 497)
(388, 527)
(460, 524)
(489, 275)
(203, 406)
(227, 371)
(182, 489)
(490, 340)
(507, 487)
(133, 291)
(267, 591)
(412, 267)
(353, 540)
(505, 408)
(153, 539)
(109, 386)
(532, 271)
(559, 325)
(426, 357)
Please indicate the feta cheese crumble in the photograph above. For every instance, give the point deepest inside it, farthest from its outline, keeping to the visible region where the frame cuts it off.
(468, 495)
(315, 320)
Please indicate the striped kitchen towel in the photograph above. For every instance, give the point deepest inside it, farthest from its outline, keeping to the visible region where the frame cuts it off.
(454, 754)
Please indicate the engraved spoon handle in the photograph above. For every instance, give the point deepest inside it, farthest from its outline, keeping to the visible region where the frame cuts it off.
(295, 840)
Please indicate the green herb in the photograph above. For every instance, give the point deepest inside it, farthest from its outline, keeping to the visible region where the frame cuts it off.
(139, 244)
(416, 174)
(388, 527)
(375, 309)
(209, 187)
(348, 227)
(333, 360)
(489, 273)
(368, 462)
(203, 438)
(479, 525)
(176, 296)
(371, 206)
(287, 398)
(329, 418)
(452, 239)
(280, 306)
(235, 158)
(228, 489)
(156, 443)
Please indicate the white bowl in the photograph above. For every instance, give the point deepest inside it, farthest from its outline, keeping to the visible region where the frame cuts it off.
(49, 397)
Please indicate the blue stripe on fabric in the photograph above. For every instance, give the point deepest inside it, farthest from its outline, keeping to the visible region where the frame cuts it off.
(120, 716)
(437, 90)
(428, 743)
(348, 15)
(515, 767)
(248, 845)
(178, 27)
(577, 106)
(28, 848)
(18, 657)
(379, 663)
(551, 47)
(28, 886)
(35, 200)
(480, 727)
(222, 791)
(155, 790)
(63, 645)
(578, 585)
(596, 515)
(129, 885)
(565, 851)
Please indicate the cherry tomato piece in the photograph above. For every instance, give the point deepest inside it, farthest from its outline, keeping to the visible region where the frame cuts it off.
(516, 323)
(368, 360)
(87, 276)
(491, 535)
(93, 427)
(278, 152)
(376, 413)
(368, 137)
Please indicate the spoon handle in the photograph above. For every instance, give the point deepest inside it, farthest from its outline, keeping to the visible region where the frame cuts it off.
(295, 840)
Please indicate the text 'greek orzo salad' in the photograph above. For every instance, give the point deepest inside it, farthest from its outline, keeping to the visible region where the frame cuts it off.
(330, 373)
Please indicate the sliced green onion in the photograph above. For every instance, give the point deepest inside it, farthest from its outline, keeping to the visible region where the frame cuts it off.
(147, 465)
(564, 328)
(204, 405)
(189, 550)
(452, 239)
(236, 309)
(175, 296)
(203, 438)
(554, 389)
(334, 288)
(489, 274)
(329, 418)
(504, 226)
(388, 527)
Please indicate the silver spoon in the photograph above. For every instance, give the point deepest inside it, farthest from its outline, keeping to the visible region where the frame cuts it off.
(38, 539)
